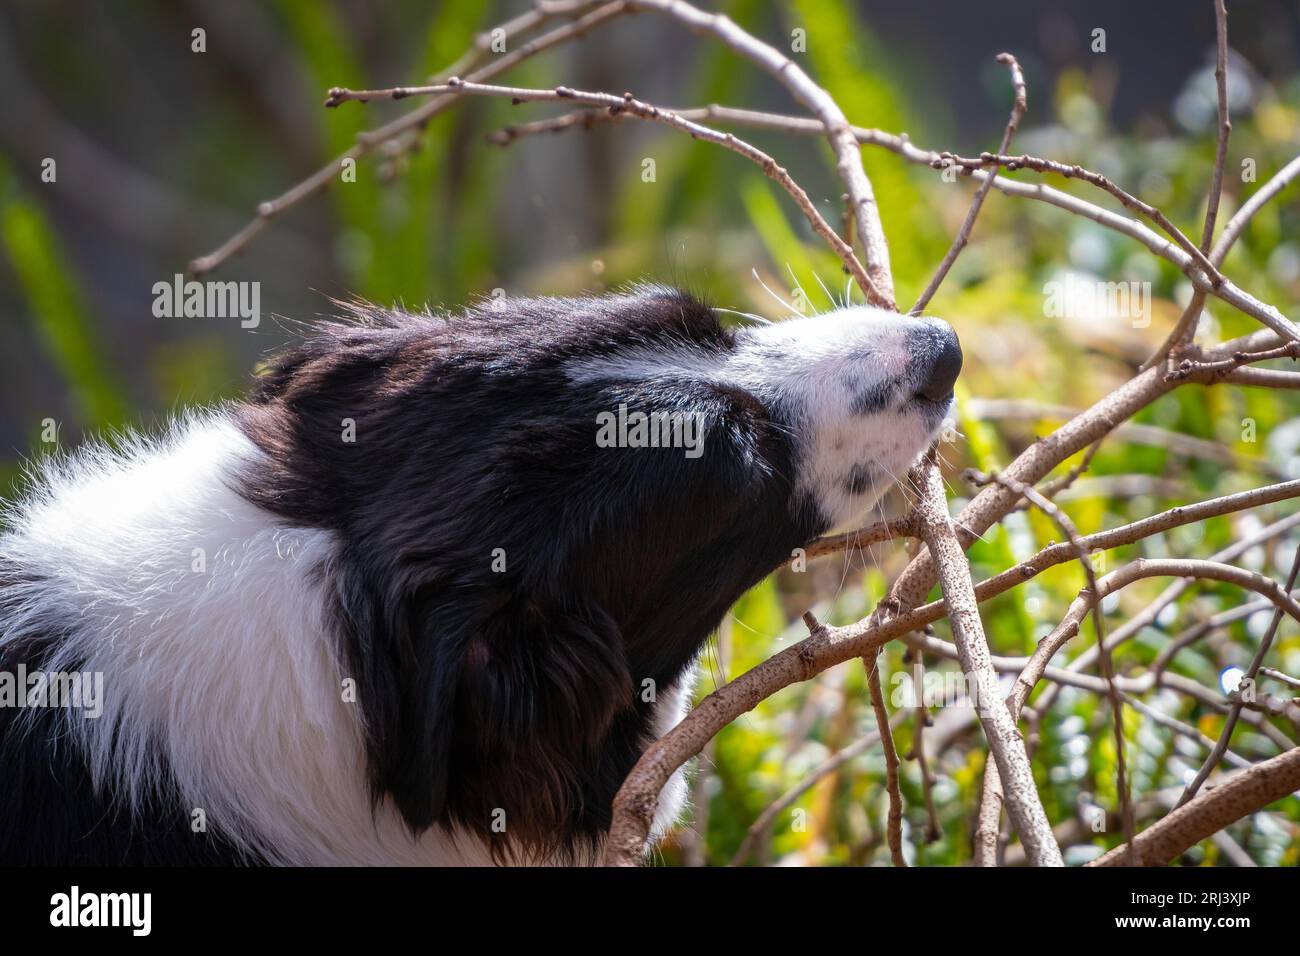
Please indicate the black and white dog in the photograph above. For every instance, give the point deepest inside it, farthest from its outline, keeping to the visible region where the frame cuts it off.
(427, 594)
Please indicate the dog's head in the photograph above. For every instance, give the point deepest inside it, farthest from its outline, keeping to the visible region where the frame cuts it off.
(544, 506)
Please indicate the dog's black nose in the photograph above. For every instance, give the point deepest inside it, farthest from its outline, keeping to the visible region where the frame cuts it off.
(937, 344)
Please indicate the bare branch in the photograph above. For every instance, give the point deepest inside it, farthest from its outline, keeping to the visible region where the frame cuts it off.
(1280, 677)
(1139, 433)
(1151, 680)
(369, 141)
(894, 826)
(1191, 823)
(831, 764)
(904, 527)
(1263, 378)
(1251, 672)
(1008, 750)
(1122, 577)
(933, 829)
(629, 104)
(1218, 371)
(1128, 200)
(1190, 635)
(1019, 106)
(1094, 593)
(821, 104)
(1237, 224)
(1186, 730)
(1185, 330)
(1160, 246)
(1063, 482)
(1225, 124)
(1147, 615)
(988, 821)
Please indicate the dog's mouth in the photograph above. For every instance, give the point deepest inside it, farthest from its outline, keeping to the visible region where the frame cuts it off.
(922, 400)
(931, 410)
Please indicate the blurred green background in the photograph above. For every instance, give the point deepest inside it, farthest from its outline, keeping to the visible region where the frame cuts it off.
(163, 152)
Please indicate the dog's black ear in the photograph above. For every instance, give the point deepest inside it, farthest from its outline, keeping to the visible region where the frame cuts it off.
(505, 702)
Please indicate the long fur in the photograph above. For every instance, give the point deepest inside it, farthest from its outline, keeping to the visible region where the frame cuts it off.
(399, 607)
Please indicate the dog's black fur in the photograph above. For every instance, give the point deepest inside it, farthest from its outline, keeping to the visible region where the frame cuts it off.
(520, 690)
(524, 690)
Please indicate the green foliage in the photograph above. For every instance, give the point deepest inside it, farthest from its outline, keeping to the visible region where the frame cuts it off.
(48, 282)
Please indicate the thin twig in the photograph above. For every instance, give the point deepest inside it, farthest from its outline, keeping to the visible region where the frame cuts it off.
(904, 527)
(1252, 672)
(1185, 729)
(894, 830)
(1136, 432)
(370, 140)
(1225, 123)
(1141, 684)
(1258, 199)
(1126, 199)
(1062, 482)
(1280, 677)
(1020, 104)
(1107, 665)
(1136, 571)
(814, 98)
(1218, 371)
(829, 766)
(933, 830)
(1161, 246)
(1190, 635)
(1134, 625)
(630, 105)
(1185, 328)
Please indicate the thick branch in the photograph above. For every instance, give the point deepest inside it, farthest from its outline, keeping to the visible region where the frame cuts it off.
(1005, 743)
(1244, 793)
